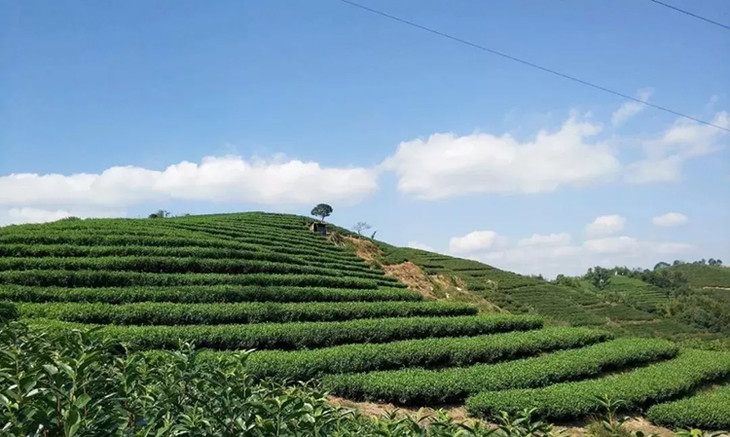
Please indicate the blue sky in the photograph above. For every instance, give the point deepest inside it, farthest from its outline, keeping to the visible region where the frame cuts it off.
(279, 105)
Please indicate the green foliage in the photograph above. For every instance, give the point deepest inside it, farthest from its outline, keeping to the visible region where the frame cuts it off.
(599, 277)
(425, 353)
(71, 385)
(322, 210)
(210, 314)
(202, 294)
(160, 214)
(425, 387)
(176, 265)
(108, 278)
(652, 384)
(566, 281)
(708, 410)
(705, 276)
(557, 302)
(304, 334)
(8, 311)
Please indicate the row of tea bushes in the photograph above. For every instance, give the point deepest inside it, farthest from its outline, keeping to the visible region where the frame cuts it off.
(228, 313)
(430, 352)
(656, 383)
(424, 387)
(105, 278)
(203, 294)
(708, 410)
(304, 334)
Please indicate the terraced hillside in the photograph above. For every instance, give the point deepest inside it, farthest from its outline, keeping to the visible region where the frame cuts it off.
(313, 309)
(704, 276)
(523, 294)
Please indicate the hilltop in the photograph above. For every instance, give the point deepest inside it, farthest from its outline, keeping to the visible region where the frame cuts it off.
(368, 320)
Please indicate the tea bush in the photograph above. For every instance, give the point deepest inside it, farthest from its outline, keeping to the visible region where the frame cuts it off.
(709, 410)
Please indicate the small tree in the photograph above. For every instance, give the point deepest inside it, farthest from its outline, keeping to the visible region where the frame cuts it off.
(599, 277)
(322, 210)
(660, 265)
(161, 213)
(360, 227)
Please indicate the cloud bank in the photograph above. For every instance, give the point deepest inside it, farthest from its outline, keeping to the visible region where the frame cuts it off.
(446, 165)
(442, 166)
(226, 179)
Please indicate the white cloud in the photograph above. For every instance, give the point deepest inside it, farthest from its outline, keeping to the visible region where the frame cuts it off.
(224, 179)
(673, 248)
(546, 240)
(17, 216)
(611, 245)
(684, 140)
(574, 259)
(473, 242)
(670, 219)
(447, 165)
(606, 225)
(630, 109)
(654, 170)
(417, 245)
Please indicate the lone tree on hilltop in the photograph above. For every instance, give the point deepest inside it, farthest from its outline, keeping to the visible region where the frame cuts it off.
(360, 227)
(160, 214)
(322, 210)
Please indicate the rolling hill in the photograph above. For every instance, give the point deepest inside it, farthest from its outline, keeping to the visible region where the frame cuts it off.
(312, 308)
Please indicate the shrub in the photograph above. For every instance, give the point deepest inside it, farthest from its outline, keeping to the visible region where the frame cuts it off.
(8, 311)
(414, 386)
(638, 388)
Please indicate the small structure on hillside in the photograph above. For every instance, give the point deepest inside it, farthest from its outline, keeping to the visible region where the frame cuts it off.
(318, 228)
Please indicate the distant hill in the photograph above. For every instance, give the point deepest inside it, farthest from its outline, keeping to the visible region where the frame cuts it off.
(627, 307)
(701, 276)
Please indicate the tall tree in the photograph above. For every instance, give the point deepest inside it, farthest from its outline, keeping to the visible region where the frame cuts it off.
(322, 210)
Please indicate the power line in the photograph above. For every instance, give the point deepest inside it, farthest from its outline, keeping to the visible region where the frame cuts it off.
(529, 64)
(691, 14)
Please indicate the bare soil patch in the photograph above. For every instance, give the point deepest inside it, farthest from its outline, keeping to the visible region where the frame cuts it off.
(365, 249)
(412, 276)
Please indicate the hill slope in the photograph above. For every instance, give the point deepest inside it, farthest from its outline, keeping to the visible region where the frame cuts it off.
(314, 309)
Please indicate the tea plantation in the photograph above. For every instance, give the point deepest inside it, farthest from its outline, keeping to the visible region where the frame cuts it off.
(311, 309)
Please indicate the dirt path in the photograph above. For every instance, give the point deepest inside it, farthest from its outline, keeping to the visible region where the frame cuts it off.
(373, 409)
